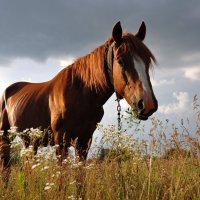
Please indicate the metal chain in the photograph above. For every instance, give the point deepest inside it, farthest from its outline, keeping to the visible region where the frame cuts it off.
(119, 114)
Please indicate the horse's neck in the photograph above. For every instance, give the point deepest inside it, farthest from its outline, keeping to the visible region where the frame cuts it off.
(65, 81)
(96, 97)
(90, 72)
(102, 97)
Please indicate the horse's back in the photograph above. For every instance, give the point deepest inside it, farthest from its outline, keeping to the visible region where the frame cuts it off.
(14, 88)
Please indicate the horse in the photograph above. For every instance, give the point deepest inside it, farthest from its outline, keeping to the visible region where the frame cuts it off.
(71, 103)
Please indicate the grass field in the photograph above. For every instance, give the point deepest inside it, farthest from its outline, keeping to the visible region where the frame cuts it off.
(166, 166)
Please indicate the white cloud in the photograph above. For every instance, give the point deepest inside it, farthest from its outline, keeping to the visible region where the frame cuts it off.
(179, 106)
(192, 73)
(3, 84)
(26, 79)
(194, 57)
(65, 62)
(162, 82)
(1, 91)
(26, 69)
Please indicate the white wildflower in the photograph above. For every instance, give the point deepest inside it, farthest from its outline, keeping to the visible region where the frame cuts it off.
(90, 166)
(15, 145)
(73, 182)
(76, 165)
(58, 173)
(80, 163)
(1, 133)
(48, 186)
(45, 168)
(36, 165)
(74, 198)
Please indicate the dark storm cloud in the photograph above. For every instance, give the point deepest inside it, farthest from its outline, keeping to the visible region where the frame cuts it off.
(47, 28)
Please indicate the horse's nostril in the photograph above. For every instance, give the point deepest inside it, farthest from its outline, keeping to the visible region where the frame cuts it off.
(140, 105)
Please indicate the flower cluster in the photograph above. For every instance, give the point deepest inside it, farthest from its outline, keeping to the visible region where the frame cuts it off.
(119, 144)
(33, 134)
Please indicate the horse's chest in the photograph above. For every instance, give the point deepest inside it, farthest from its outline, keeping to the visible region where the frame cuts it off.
(80, 121)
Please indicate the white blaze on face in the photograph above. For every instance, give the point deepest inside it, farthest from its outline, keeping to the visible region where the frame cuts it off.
(141, 70)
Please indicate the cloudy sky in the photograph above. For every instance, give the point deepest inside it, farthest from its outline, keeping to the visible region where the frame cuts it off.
(38, 38)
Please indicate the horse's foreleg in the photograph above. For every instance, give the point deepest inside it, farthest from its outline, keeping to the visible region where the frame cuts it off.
(59, 144)
(44, 141)
(82, 148)
(66, 145)
(62, 142)
(85, 139)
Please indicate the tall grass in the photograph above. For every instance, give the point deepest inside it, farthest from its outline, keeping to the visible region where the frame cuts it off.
(165, 166)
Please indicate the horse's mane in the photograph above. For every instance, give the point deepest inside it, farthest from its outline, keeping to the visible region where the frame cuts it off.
(91, 70)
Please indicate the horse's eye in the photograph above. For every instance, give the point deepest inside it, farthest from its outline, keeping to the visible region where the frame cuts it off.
(120, 61)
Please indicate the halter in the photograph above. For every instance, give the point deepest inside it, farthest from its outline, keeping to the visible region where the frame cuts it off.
(109, 60)
(109, 69)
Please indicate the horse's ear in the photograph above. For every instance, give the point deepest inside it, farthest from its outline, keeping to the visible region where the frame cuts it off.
(141, 32)
(117, 33)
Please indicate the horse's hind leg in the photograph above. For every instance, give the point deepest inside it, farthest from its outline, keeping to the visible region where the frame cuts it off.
(5, 160)
(5, 145)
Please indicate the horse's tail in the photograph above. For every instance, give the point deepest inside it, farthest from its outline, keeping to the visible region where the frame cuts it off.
(2, 104)
(4, 123)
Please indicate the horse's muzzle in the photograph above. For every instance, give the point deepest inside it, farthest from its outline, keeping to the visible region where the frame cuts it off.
(145, 116)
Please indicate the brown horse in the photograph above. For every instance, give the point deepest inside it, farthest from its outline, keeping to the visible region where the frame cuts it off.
(71, 104)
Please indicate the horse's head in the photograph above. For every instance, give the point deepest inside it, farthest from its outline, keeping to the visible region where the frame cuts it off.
(131, 63)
